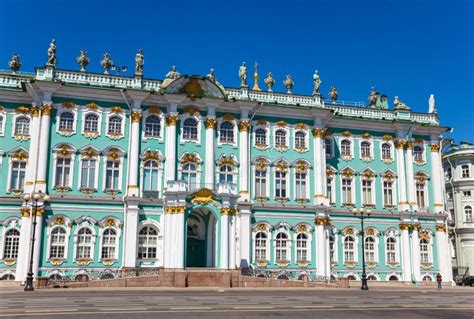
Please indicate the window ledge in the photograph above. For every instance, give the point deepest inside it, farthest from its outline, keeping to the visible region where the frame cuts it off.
(62, 189)
(56, 261)
(282, 263)
(87, 190)
(83, 261)
(426, 265)
(90, 134)
(9, 261)
(108, 261)
(111, 191)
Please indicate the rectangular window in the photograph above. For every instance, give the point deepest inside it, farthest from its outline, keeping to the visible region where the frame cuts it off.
(63, 170)
(420, 195)
(88, 173)
(112, 174)
(388, 193)
(465, 172)
(466, 193)
(280, 184)
(260, 183)
(367, 192)
(347, 191)
(300, 180)
(17, 180)
(329, 190)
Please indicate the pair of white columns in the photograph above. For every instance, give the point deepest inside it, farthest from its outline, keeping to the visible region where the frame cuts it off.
(319, 157)
(228, 251)
(174, 235)
(410, 252)
(323, 262)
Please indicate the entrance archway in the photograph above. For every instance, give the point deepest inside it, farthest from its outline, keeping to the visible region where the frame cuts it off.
(201, 243)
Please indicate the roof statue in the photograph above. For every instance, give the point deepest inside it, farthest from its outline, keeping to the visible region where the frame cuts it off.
(289, 83)
(243, 75)
(255, 78)
(317, 83)
(333, 94)
(170, 77)
(211, 75)
(83, 60)
(52, 60)
(373, 97)
(106, 63)
(431, 103)
(269, 81)
(399, 105)
(139, 62)
(14, 63)
(377, 100)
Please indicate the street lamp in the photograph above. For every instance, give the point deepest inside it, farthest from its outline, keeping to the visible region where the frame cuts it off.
(359, 213)
(32, 200)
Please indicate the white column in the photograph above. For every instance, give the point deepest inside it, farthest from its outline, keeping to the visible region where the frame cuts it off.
(415, 250)
(33, 151)
(436, 169)
(405, 255)
(224, 254)
(231, 239)
(410, 176)
(401, 186)
(23, 245)
(44, 148)
(130, 238)
(244, 128)
(319, 155)
(170, 148)
(245, 237)
(328, 256)
(180, 234)
(321, 245)
(133, 164)
(209, 164)
(444, 258)
(38, 242)
(167, 258)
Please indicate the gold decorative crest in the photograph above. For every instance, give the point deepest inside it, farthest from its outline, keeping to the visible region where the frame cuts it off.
(346, 134)
(171, 120)
(203, 196)
(281, 123)
(92, 106)
(210, 122)
(244, 126)
(69, 105)
(116, 109)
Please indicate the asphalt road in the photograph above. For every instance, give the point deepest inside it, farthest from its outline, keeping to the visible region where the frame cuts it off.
(283, 303)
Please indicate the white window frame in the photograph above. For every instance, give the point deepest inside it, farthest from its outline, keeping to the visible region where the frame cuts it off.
(158, 246)
(184, 117)
(15, 119)
(10, 170)
(376, 248)
(306, 140)
(235, 131)
(64, 132)
(355, 249)
(267, 137)
(287, 138)
(331, 146)
(91, 227)
(394, 189)
(104, 168)
(286, 179)
(267, 245)
(392, 155)
(351, 155)
(372, 189)
(429, 251)
(268, 176)
(371, 150)
(353, 192)
(396, 250)
(294, 171)
(119, 135)
(82, 158)
(425, 190)
(3, 115)
(99, 123)
(466, 207)
(309, 245)
(423, 153)
(3, 240)
(288, 247)
(461, 168)
(56, 155)
(102, 243)
(162, 125)
(50, 242)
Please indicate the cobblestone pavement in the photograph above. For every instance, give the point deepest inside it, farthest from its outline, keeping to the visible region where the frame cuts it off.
(455, 303)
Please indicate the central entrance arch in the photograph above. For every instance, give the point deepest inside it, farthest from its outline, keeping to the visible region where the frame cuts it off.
(201, 243)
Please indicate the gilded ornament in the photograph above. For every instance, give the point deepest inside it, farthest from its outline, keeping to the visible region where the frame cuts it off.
(441, 228)
(262, 122)
(417, 226)
(83, 261)
(83, 60)
(420, 178)
(190, 158)
(191, 110)
(47, 109)
(301, 167)
(346, 133)
(64, 151)
(227, 211)
(59, 221)
(113, 154)
(426, 266)
(193, 89)
(203, 196)
(92, 106)
(322, 221)
(255, 78)
(281, 166)
(23, 109)
(388, 176)
(171, 120)
(90, 152)
(368, 175)
(350, 264)
(35, 111)
(303, 263)
(210, 122)
(419, 140)
(106, 63)
(110, 222)
(318, 132)
(269, 81)
(262, 227)
(370, 232)
(20, 155)
(136, 116)
(281, 123)
(56, 261)
(348, 173)
(302, 228)
(409, 145)
(387, 137)
(371, 265)
(228, 160)
(399, 144)
(25, 212)
(14, 63)
(282, 264)
(154, 110)
(434, 148)
(289, 83)
(261, 165)
(228, 117)
(244, 126)
(68, 104)
(151, 155)
(301, 126)
(175, 210)
(107, 262)
(9, 261)
(116, 109)
(329, 172)
(366, 135)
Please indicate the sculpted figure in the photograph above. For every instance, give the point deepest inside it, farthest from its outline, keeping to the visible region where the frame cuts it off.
(243, 75)
(431, 103)
(106, 63)
(399, 105)
(139, 62)
(211, 76)
(373, 97)
(269, 81)
(333, 94)
(317, 82)
(83, 60)
(14, 63)
(173, 74)
(52, 60)
(289, 83)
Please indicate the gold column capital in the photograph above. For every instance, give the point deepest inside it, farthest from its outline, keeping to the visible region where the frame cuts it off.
(136, 117)
(47, 109)
(244, 126)
(175, 210)
(210, 122)
(227, 211)
(171, 120)
(318, 132)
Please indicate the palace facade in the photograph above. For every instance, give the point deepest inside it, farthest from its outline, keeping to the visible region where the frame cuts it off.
(185, 172)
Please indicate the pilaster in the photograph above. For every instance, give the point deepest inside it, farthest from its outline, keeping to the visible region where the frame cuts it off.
(245, 235)
(415, 251)
(436, 169)
(134, 151)
(170, 148)
(23, 245)
(210, 124)
(319, 155)
(33, 151)
(401, 186)
(130, 234)
(410, 176)
(322, 245)
(244, 129)
(405, 255)
(44, 149)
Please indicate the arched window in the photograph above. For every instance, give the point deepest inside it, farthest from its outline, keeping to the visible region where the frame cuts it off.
(427, 278)
(281, 244)
(302, 247)
(22, 126)
(390, 250)
(190, 129)
(260, 246)
(150, 175)
(393, 278)
(115, 125)
(91, 123)
(8, 277)
(189, 176)
(418, 153)
(300, 140)
(147, 243)
(12, 241)
(346, 148)
(369, 249)
(109, 242)
(371, 277)
(386, 151)
(225, 174)
(85, 249)
(424, 251)
(58, 243)
(152, 126)
(260, 137)
(328, 147)
(280, 138)
(18, 171)
(365, 150)
(66, 121)
(349, 249)
(465, 171)
(468, 214)
(227, 132)
(260, 183)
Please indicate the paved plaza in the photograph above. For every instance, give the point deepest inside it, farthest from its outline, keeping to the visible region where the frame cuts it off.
(455, 303)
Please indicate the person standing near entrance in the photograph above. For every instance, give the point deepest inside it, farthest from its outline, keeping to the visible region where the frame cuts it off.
(439, 279)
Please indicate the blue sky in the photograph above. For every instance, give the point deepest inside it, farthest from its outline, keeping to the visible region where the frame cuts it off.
(409, 48)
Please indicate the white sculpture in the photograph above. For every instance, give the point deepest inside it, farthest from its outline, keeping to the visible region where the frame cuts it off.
(243, 75)
(431, 103)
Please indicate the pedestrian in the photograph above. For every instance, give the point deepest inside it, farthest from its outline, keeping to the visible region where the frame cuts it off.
(439, 279)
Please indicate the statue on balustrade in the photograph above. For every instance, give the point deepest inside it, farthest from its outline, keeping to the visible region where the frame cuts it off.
(83, 60)
(377, 101)
(333, 94)
(106, 63)
(211, 75)
(170, 77)
(399, 105)
(52, 60)
(269, 81)
(289, 83)
(14, 63)
(243, 75)
(139, 62)
(317, 83)
(431, 104)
